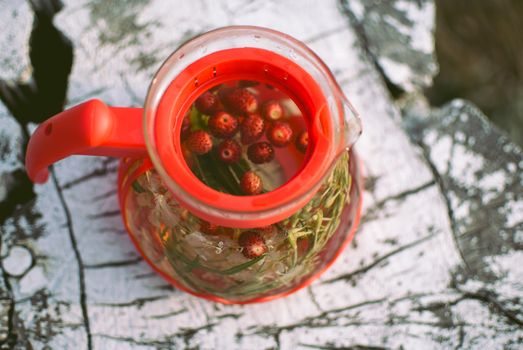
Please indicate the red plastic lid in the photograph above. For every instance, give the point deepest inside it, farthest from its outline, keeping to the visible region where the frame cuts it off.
(245, 64)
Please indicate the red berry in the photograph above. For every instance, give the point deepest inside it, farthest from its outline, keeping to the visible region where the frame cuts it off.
(229, 151)
(253, 244)
(208, 103)
(272, 110)
(199, 142)
(280, 134)
(251, 183)
(303, 245)
(252, 129)
(223, 125)
(240, 100)
(302, 141)
(186, 127)
(260, 152)
(208, 227)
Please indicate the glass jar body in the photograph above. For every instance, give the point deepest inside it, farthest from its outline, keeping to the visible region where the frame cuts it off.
(210, 261)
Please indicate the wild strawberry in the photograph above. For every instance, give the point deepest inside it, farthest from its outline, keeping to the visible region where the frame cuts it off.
(252, 128)
(208, 103)
(229, 151)
(251, 183)
(303, 245)
(272, 110)
(302, 141)
(253, 244)
(240, 100)
(280, 134)
(208, 227)
(223, 125)
(199, 142)
(186, 127)
(260, 152)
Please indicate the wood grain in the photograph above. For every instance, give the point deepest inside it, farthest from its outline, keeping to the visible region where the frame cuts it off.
(434, 264)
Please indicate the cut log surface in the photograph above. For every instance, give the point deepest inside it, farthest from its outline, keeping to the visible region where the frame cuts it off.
(435, 264)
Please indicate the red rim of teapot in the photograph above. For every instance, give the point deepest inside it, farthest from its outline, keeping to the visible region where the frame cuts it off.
(244, 64)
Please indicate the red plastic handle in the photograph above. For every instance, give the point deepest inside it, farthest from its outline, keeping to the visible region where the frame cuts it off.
(91, 128)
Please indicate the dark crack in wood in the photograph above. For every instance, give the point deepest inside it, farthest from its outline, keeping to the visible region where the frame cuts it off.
(100, 172)
(169, 314)
(406, 193)
(370, 213)
(106, 214)
(317, 321)
(78, 257)
(488, 298)
(105, 195)
(395, 90)
(157, 343)
(185, 334)
(188, 333)
(139, 302)
(483, 296)
(230, 315)
(312, 296)
(461, 337)
(350, 347)
(444, 194)
(376, 262)
(110, 264)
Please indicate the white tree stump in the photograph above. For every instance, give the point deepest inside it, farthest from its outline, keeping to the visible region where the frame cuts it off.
(436, 262)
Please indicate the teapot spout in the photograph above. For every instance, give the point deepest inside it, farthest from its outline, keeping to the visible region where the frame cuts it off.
(352, 127)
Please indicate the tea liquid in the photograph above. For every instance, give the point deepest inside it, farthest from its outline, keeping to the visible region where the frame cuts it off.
(244, 138)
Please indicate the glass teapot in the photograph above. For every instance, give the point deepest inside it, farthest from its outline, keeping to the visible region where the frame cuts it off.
(237, 183)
